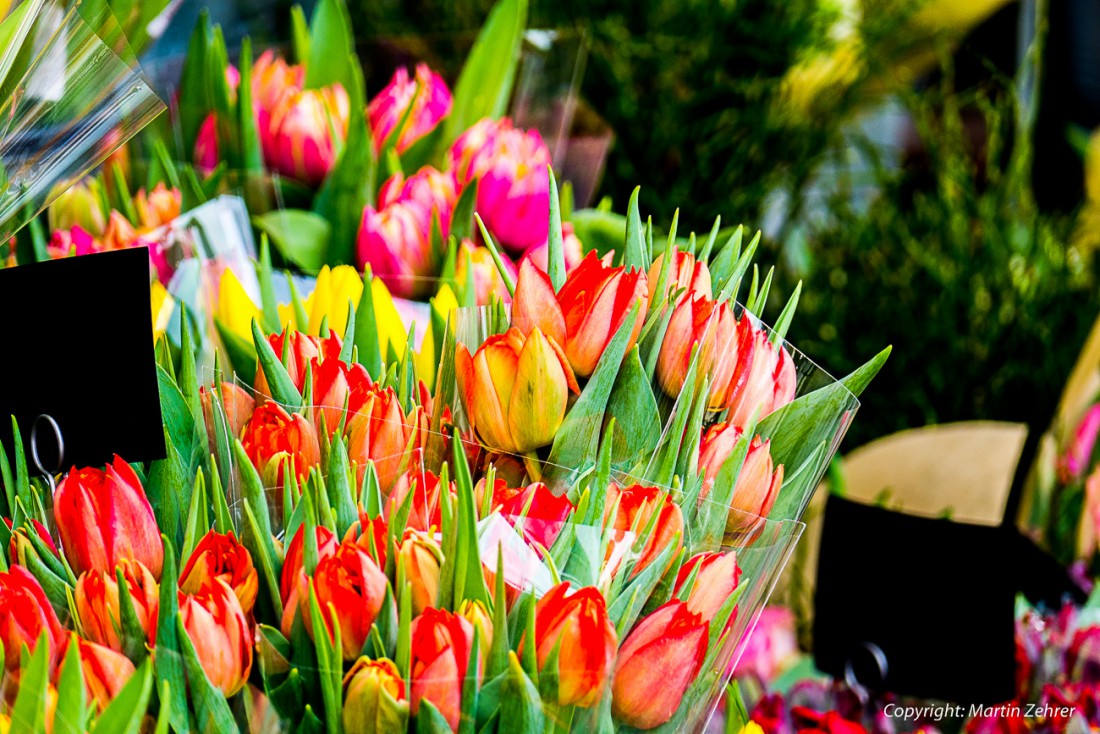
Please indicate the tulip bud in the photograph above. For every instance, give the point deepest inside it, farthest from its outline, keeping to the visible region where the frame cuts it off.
(337, 385)
(478, 615)
(424, 511)
(536, 512)
(237, 405)
(577, 626)
(685, 273)
(98, 602)
(274, 436)
(382, 433)
(770, 384)
(219, 630)
(772, 645)
(25, 613)
(515, 389)
(757, 486)
(207, 153)
(79, 206)
(119, 234)
(396, 242)
(272, 80)
(441, 647)
(106, 672)
(513, 193)
(350, 586)
(21, 544)
(159, 207)
(75, 241)
(716, 580)
(308, 127)
(294, 558)
(634, 508)
(430, 99)
(486, 277)
(371, 535)
(104, 517)
(422, 558)
(222, 556)
(656, 664)
(374, 698)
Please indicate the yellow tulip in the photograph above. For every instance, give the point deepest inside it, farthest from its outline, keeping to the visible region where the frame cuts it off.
(391, 329)
(427, 360)
(235, 309)
(335, 288)
(162, 306)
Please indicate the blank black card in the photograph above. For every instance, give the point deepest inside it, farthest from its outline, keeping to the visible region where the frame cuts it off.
(76, 343)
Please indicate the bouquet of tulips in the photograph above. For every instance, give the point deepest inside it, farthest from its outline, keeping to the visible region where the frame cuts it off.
(387, 183)
(570, 526)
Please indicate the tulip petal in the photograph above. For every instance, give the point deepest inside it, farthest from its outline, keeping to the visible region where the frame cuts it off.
(539, 397)
(535, 304)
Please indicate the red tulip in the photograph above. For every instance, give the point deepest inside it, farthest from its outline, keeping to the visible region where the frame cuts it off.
(207, 153)
(371, 535)
(536, 512)
(307, 129)
(106, 672)
(577, 625)
(757, 485)
(295, 558)
(424, 512)
(636, 505)
(714, 583)
(337, 385)
(220, 632)
(686, 273)
(222, 556)
(301, 353)
(657, 662)
(429, 97)
(25, 613)
(97, 603)
(103, 517)
(350, 587)
(806, 719)
(273, 437)
(585, 314)
(422, 558)
(381, 432)
(441, 647)
(770, 385)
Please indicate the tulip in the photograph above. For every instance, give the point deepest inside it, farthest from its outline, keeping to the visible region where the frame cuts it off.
(381, 432)
(1078, 455)
(106, 672)
(207, 152)
(656, 664)
(715, 581)
(119, 234)
(236, 404)
(441, 647)
(396, 242)
(477, 614)
(772, 646)
(424, 511)
(301, 351)
(806, 719)
(537, 513)
(571, 245)
(1088, 529)
(295, 557)
(757, 484)
(19, 538)
(478, 261)
(422, 558)
(307, 129)
(586, 313)
(370, 534)
(374, 698)
(98, 602)
(349, 586)
(435, 191)
(25, 613)
(219, 630)
(577, 626)
(725, 350)
(337, 385)
(430, 99)
(159, 207)
(515, 389)
(771, 383)
(80, 206)
(273, 437)
(634, 511)
(272, 80)
(75, 241)
(513, 193)
(686, 273)
(104, 517)
(222, 556)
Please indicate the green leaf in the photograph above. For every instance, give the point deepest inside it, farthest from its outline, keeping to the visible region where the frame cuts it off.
(241, 353)
(179, 420)
(126, 711)
(194, 93)
(69, 716)
(257, 537)
(485, 85)
(366, 330)
(339, 485)
(267, 288)
(28, 714)
(555, 258)
(168, 490)
(520, 704)
(299, 34)
(635, 252)
(634, 409)
(132, 634)
(784, 321)
(168, 663)
(462, 218)
(430, 721)
(331, 44)
(283, 389)
(252, 156)
(301, 237)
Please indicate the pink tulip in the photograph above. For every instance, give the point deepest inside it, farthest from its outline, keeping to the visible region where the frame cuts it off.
(272, 80)
(75, 241)
(307, 130)
(207, 153)
(430, 99)
(513, 196)
(1075, 461)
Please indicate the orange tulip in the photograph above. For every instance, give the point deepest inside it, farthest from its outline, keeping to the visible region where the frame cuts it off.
(158, 207)
(349, 586)
(336, 386)
(422, 557)
(424, 511)
(515, 389)
(657, 662)
(441, 647)
(220, 632)
(222, 556)
(586, 313)
(771, 383)
(374, 698)
(120, 233)
(294, 558)
(104, 517)
(381, 432)
(97, 603)
(757, 485)
(715, 581)
(274, 436)
(577, 625)
(725, 349)
(685, 273)
(105, 672)
(237, 406)
(536, 512)
(25, 613)
(371, 535)
(636, 505)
